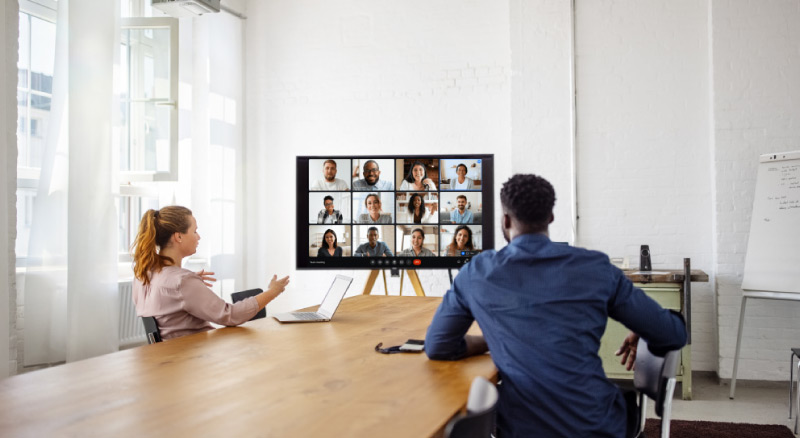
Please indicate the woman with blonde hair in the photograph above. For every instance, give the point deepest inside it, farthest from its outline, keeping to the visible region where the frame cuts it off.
(179, 299)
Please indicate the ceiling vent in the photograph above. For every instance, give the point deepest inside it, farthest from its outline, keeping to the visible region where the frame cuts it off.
(186, 8)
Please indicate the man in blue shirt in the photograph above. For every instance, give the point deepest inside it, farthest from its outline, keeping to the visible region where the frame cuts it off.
(461, 215)
(542, 308)
(372, 178)
(373, 248)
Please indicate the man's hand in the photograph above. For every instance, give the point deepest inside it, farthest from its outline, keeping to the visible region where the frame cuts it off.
(628, 351)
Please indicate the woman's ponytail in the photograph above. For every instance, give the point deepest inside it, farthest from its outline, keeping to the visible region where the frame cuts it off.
(155, 230)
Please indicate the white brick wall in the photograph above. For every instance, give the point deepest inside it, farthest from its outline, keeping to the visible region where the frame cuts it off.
(541, 103)
(757, 110)
(346, 77)
(644, 153)
(667, 134)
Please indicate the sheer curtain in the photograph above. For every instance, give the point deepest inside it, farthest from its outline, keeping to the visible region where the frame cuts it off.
(71, 297)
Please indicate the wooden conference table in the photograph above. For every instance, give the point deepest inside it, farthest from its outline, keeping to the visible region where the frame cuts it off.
(260, 379)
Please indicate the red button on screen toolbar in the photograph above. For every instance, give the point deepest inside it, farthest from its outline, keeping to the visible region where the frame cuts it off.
(417, 262)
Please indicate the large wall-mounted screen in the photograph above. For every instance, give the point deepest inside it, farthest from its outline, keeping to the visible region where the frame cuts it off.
(409, 212)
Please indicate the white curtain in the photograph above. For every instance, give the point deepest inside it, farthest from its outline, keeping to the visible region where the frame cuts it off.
(211, 154)
(71, 297)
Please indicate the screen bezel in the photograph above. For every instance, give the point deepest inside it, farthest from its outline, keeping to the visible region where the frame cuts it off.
(304, 261)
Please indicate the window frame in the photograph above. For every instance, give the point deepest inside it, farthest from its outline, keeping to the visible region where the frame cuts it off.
(28, 176)
(144, 23)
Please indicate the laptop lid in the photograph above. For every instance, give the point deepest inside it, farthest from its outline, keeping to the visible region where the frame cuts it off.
(334, 296)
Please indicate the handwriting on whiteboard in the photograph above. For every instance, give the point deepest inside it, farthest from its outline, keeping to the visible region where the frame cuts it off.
(787, 193)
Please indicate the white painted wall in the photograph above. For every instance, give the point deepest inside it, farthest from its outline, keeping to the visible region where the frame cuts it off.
(643, 147)
(756, 49)
(541, 102)
(675, 100)
(347, 77)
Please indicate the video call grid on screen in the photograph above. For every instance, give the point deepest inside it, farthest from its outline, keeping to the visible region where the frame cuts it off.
(422, 211)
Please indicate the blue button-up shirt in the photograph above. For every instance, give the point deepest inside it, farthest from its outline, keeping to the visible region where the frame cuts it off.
(459, 218)
(542, 308)
(363, 185)
(380, 249)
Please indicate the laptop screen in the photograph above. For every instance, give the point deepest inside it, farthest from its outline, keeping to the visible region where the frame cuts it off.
(335, 295)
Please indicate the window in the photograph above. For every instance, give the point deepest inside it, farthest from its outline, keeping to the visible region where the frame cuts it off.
(37, 44)
(147, 85)
(132, 205)
(148, 89)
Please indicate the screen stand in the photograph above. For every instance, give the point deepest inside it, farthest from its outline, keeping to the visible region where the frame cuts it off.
(412, 277)
(373, 275)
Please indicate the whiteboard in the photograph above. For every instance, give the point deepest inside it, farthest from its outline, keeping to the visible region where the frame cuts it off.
(773, 249)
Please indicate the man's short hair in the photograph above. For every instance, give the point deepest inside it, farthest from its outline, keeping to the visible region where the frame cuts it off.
(329, 161)
(529, 199)
(461, 196)
(326, 198)
(377, 166)
(375, 229)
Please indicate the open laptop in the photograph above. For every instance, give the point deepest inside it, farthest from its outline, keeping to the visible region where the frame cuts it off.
(329, 304)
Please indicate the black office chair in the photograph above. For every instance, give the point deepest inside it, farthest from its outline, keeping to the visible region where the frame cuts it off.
(479, 421)
(239, 296)
(654, 378)
(151, 329)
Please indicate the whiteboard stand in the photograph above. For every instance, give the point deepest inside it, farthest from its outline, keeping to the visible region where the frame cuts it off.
(787, 296)
(772, 256)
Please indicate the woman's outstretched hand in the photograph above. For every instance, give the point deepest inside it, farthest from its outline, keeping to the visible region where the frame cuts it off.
(207, 277)
(278, 285)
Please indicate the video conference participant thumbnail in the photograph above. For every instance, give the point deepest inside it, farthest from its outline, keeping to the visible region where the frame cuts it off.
(329, 208)
(460, 240)
(322, 174)
(417, 174)
(373, 208)
(461, 174)
(461, 208)
(373, 240)
(417, 240)
(417, 208)
(329, 241)
(373, 175)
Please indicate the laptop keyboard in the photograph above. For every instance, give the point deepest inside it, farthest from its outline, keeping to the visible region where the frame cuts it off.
(306, 316)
